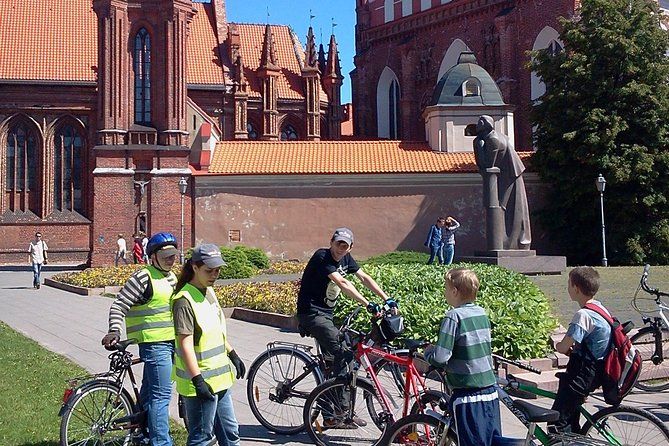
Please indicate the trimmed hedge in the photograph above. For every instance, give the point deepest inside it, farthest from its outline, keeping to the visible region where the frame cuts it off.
(519, 312)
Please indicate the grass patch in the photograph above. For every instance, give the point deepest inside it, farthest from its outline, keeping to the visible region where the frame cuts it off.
(31, 390)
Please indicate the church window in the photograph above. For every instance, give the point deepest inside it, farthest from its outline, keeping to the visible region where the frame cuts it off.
(425, 4)
(142, 66)
(68, 170)
(471, 87)
(251, 130)
(393, 109)
(388, 10)
(554, 48)
(21, 171)
(288, 133)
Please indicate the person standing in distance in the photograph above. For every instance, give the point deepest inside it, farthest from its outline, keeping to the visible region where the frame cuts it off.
(37, 257)
(322, 281)
(121, 250)
(204, 355)
(448, 242)
(144, 304)
(434, 242)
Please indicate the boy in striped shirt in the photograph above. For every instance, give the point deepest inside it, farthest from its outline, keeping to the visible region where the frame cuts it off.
(463, 350)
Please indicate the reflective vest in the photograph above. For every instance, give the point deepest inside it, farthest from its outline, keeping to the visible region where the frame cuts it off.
(212, 359)
(152, 321)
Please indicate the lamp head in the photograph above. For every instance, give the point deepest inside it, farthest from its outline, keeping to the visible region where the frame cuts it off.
(600, 182)
(183, 185)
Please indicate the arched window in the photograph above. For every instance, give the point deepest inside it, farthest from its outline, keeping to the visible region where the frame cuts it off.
(21, 168)
(548, 39)
(554, 48)
(251, 130)
(288, 133)
(393, 109)
(407, 7)
(142, 66)
(68, 170)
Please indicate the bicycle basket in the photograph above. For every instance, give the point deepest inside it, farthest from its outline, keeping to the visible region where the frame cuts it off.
(387, 328)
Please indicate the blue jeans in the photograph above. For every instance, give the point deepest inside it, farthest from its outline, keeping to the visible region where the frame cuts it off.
(207, 419)
(37, 269)
(156, 390)
(449, 252)
(435, 251)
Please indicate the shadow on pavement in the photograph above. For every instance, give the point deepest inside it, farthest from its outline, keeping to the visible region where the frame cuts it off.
(259, 434)
(46, 268)
(16, 288)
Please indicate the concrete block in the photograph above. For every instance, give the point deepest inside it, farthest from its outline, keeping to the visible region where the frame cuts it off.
(545, 381)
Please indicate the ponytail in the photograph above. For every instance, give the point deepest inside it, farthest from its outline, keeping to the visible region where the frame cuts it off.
(187, 274)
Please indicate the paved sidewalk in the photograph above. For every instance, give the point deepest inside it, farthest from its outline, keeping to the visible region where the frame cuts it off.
(73, 325)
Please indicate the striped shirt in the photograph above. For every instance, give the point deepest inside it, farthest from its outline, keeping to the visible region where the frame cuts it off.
(136, 291)
(463, 348)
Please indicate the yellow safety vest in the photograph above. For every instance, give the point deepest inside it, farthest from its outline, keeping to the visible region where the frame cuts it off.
(152, 321)
(212, 359)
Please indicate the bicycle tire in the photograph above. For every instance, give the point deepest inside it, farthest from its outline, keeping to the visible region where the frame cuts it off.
(261, 381)
(324, 403)
(418, 429)
(90, 413)
(630, 425)
(650, 379)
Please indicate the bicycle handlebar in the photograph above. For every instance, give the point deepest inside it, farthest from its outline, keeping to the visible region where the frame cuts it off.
(517, 364)
(644, 284)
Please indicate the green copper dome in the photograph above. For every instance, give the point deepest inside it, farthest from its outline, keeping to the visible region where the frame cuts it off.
(467, 83)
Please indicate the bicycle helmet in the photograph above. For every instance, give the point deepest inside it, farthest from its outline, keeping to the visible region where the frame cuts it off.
(158, 241)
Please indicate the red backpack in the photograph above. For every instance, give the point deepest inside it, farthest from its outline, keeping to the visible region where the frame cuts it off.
(622, 364)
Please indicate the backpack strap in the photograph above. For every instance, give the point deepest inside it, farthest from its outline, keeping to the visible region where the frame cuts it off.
(608, 318)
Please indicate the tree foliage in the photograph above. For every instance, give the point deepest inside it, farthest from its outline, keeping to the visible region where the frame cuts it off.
(605, 111)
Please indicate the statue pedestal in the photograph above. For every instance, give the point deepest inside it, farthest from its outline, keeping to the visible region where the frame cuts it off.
(520, 260)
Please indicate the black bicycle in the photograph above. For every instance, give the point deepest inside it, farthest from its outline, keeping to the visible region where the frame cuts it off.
(98, 410)
(652, 341)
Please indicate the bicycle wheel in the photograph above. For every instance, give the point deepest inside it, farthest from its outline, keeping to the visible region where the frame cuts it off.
(627, 425)
(278, 384)
(419, 429)
(653, 377)
(328, 419)
(92, 414)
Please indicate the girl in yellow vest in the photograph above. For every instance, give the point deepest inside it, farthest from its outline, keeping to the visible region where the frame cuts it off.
(206, 364)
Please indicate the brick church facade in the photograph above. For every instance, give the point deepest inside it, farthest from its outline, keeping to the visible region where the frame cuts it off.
(105, 105)
(403, 47)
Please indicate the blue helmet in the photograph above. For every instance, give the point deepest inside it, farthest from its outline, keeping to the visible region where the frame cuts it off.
(158, 241)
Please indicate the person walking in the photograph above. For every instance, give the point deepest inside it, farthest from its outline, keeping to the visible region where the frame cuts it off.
(204, 356)
(144, 304)
(434, 241)
(137, 251)
(121, 250)
(145, 241)
(448, 241)
(37, 257)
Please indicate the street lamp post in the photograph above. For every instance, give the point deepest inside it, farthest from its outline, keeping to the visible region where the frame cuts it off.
(183, 186)
(600, 182)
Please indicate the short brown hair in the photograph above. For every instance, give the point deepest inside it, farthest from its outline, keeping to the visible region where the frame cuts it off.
(586, 279)
(465, 281)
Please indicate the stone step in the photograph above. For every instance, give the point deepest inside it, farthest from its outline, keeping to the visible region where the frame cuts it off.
(546, 380)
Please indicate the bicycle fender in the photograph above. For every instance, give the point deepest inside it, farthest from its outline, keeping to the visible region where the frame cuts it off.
(291, 351)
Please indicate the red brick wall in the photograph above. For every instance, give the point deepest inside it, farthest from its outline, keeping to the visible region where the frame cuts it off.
(402, 43)
(67, 243)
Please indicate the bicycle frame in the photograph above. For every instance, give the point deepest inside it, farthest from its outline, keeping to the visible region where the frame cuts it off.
(414, 381)
(656, 322)
(303, 351)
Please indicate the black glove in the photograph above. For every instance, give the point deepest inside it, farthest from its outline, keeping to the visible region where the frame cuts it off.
(238, 363)
(111, 339)
(391, 303)
(373, 308)
(202, 389)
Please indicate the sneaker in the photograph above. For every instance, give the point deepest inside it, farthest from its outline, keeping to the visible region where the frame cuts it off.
(333, 423)
(38, 285)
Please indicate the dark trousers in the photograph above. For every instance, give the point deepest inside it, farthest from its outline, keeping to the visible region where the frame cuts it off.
(320, 326)
(476, 416)
(580, 379)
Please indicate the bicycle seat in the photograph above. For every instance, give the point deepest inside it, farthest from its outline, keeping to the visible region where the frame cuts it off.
(413, 344)
(535, 413)
(122, 345)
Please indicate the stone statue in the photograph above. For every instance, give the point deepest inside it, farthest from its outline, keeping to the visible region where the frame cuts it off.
(503, 187)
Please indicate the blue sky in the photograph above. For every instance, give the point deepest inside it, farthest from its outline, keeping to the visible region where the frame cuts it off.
(295, 13)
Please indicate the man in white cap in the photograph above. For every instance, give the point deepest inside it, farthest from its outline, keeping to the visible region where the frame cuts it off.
(322, 281)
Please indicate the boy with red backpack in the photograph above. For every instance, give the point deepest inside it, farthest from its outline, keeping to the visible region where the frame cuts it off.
(597, 348)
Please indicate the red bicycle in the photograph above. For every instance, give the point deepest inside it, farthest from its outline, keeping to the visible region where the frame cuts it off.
(356, 410)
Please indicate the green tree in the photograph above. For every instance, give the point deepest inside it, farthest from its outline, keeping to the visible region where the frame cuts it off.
(605, 111)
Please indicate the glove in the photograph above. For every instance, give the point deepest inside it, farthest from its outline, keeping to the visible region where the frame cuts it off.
(238, 363)
(202, 389)
(111, 339)
(373, 308)
(425, 244)
(391, 303)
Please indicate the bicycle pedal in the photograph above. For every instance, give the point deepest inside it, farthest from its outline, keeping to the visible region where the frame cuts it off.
(136, 418)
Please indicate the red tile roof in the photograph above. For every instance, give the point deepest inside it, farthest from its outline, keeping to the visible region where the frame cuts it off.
(335, 157)
(204, 65)
(48, 40)
(289, 53)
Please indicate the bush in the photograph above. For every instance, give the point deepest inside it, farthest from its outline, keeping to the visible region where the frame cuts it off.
(285, 267)
(256, 256)
(237, 265)
(519, 312)
(398, 258)
(276, 297)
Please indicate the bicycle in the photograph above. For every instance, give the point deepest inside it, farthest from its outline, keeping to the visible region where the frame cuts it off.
(336, 405)
(98, 409)
(281, 378)
(616, 425)
(652, 341)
